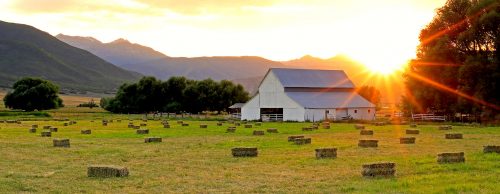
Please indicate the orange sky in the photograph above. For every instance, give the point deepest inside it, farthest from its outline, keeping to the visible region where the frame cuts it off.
(381, 33)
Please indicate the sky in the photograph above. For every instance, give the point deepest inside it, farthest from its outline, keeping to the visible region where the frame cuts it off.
(382, 34)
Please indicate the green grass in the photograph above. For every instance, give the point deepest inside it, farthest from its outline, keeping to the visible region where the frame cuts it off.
(194, 160)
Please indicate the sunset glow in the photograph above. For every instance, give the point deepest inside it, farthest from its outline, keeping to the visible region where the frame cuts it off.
(381, 34)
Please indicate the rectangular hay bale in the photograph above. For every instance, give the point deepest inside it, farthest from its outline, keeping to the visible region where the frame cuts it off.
(326, 153)
(106, 171)
(244, 152)
(457, 157)
(61, 143)
(386, 169)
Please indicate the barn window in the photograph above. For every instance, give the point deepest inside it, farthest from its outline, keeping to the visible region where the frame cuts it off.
(327, 111)
(368, 110)
(355, 111)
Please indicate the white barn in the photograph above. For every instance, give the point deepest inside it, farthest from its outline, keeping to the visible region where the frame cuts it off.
(307, 95)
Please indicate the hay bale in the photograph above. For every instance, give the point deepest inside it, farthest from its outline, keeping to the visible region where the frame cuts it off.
(244, 152)
(106, 171)
(491, 149)
(65, 124)
(412, 131)
(293, 137)
(257, 132)
(325, 126)
(53, 129)
(152, 139)
(203, 126)
(258, 124)
(379, 123)
(185, 124)
(32, 130)
(445, 127)
(47, 127)
(231, 130)
(368, 143)
(142, 131)
(2, 121)
(61, 143)
(46, 134)
(34, 126)
(272, 130)
(166, 126)
(457, 157)
(453, 136)
(307, 128)
(130, 126)
(137, 127)
(407, 140)
(302, 141)
(180, 122)
(86, 131)
(18, 122)
(144, 124)
(326, 153)
(248, 126)
(385, 169)
(413, 125)
(359, 126)
(119, 120)
(366, 132)
(237, 124)
(104, 124)
(219, 124)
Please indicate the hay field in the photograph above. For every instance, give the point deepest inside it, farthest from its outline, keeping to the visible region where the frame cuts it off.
(194, 160)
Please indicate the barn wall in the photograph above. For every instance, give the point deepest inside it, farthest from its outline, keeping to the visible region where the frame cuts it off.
(272, 94)
(293, 114)
(362, 113)
(251, 110)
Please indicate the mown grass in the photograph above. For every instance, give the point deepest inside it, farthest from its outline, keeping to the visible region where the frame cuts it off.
(194, 160)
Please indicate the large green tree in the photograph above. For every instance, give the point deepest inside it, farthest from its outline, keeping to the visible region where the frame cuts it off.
(177, 94)
(33, 94)
(457, 68)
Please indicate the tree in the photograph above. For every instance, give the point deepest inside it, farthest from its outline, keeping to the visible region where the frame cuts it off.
(457, 68)
(175, 95)
(33, 94)
(370, 93)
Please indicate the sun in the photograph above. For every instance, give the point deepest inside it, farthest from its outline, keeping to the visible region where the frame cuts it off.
(382, 64)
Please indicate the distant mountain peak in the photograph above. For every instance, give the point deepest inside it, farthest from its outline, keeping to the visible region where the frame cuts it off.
(85, 38)
(120, 41)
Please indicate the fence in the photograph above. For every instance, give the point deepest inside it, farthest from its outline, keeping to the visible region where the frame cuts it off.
(427, 117)
(271, 117)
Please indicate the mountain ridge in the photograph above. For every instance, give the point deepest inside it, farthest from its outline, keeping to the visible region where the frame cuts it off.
(28, 51)
(245, 70)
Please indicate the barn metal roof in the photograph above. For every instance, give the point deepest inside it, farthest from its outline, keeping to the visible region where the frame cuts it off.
(237, 105)
(329, 99)
(312, 78)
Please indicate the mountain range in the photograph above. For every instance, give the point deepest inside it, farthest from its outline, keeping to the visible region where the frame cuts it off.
(85, 64)
(27, 51)
(246, 70)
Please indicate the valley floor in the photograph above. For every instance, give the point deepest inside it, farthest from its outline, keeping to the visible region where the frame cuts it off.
(194, 160)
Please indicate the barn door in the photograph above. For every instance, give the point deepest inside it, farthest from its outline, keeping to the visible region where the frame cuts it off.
(341, 113)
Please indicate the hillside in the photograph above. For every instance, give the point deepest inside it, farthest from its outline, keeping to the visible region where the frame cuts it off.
(27, 51)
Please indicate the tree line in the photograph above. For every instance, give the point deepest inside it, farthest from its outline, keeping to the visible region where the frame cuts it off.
(176, 94)
(457, 69)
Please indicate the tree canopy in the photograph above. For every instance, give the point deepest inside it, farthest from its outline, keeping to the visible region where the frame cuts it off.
(457, 68)
(370, 93)
(33, 94)
(175, 95)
